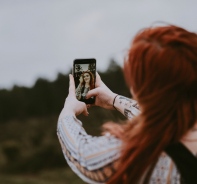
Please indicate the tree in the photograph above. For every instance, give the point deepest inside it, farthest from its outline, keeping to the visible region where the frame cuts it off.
(92, 67)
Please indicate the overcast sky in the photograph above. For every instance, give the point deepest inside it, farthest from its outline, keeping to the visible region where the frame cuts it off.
(39, 38)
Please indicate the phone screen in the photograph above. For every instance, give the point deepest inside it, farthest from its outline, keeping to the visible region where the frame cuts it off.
(84, 73)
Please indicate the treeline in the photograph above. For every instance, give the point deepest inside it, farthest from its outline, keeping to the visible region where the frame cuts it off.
(46, 98)
(42, 99)
(28, 118)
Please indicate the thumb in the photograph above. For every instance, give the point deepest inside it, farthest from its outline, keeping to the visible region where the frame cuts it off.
(92, 92)
(99, 82)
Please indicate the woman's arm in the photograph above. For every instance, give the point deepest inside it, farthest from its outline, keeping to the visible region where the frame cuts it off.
(128, 107)
(78, 91)
(93, 159)
(107, 99)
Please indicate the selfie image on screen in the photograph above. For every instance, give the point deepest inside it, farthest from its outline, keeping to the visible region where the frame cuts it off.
(84, 75)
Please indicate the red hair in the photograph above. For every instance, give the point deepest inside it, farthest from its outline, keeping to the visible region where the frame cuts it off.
(161, 69)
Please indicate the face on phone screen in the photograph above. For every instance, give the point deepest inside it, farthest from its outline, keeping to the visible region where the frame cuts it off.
(84, 75)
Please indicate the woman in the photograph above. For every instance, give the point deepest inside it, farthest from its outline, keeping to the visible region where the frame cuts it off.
(86, 83)
(159, 144)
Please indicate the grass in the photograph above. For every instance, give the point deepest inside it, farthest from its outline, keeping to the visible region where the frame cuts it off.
(59, 176)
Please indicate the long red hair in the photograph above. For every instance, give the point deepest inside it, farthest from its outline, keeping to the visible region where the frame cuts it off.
(91, 79)
(161, 69)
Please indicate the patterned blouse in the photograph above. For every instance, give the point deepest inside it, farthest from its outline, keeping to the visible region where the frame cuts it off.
(95, 159)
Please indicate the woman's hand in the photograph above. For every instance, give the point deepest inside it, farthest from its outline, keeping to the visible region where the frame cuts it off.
(72, 106)
(104, 96)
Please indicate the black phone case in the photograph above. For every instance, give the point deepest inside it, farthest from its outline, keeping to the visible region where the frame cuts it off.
(82, 68)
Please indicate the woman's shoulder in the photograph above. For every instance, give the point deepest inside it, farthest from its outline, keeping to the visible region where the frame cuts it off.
(165, 171)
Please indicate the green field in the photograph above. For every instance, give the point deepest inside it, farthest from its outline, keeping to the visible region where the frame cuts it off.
(59, 176)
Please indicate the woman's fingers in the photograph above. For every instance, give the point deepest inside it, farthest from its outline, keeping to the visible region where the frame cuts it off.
(98, 80)
(91, 93)
(71, 85)
(88, 105)
(85, 110)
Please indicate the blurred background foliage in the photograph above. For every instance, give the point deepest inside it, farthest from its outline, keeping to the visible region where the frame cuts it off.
(29, 147)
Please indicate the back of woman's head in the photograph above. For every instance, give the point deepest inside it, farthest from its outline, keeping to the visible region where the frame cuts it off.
(161, 69)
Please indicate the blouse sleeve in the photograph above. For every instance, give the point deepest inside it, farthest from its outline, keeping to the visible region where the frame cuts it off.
(93, 159)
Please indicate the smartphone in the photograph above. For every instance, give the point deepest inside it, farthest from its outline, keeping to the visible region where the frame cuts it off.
(84, 73)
